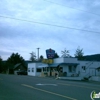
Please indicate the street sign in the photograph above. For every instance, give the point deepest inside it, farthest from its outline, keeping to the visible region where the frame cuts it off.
(50, 53)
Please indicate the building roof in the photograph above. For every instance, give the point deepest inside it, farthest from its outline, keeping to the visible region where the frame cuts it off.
(17, 65)
(69, 64)
(57, 64)
(53, 65)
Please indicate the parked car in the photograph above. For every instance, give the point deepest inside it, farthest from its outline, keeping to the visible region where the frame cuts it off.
(22, 72)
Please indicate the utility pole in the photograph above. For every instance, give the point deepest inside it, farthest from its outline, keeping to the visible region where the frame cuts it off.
(38, 52)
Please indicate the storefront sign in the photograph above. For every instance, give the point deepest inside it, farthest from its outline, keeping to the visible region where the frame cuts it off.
(47, 61)
(50, 53)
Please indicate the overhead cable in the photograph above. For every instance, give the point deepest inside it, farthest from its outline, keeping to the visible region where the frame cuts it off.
(48, 24)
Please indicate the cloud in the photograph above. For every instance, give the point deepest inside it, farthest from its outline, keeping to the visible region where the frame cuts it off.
(24, 37)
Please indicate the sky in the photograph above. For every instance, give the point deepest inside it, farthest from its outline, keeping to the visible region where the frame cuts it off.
(26, 25)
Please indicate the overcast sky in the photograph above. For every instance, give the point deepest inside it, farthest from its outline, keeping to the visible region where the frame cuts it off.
(25, 36)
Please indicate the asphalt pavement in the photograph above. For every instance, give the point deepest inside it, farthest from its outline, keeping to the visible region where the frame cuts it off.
(20, 87)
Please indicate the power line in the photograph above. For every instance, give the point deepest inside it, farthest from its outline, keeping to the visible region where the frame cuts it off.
(71, 7)
(48, 24)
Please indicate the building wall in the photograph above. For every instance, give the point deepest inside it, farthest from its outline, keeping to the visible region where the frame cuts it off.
(65, 60)
(33, 69)
(58, 60)
(30, 66)
(65, 69)
(70, 60)
(95, 78)
(90, 68)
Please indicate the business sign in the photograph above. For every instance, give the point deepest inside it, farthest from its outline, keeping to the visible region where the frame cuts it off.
(47, 61)
(50, 53)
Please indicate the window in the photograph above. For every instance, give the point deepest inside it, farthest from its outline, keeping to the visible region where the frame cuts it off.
(28, 69)
(38, 70)
(32, 69)
(44, 68)
(61, 69)
(72, 68)
(83, 68)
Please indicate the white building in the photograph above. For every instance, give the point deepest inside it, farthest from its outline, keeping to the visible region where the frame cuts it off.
(35, 69)
(67, 68)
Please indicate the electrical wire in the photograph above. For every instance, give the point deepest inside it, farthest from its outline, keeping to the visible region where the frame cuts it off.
(48, 24)
(71, 7)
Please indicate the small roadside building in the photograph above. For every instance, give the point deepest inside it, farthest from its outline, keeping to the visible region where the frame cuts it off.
(62, 66)
(66, 68)
(35, 69)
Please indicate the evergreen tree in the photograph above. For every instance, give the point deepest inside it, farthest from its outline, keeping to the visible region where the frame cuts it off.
(14, 59)
(56, 55)
(1, 65)
(41, 58)
(79, 54)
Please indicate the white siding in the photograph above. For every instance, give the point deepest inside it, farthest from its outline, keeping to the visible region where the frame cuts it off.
(35, 66)
(90, 67)
(30, 66)
(65, 60)
(70, 60)
(59, 60)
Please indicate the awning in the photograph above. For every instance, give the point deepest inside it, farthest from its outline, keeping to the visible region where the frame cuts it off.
(67, 64)
(43, 65)
(57, 64)
(53, 65)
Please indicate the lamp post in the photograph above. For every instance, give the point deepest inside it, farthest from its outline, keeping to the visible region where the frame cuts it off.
(38, 52)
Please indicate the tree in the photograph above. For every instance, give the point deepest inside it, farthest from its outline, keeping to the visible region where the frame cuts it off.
(56, 55)
(41, 58)
(1, 64)
(33, 56)
(14, 59)
(65, 53)
(79, 53)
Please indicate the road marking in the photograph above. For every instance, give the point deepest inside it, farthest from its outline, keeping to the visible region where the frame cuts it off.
(47, 84)
(79, 86)
(48, 92)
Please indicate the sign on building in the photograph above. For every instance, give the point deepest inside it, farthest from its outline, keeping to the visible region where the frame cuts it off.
(50, 53)
(47, 61)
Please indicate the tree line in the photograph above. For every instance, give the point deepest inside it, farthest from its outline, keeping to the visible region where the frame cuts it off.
(16, 58)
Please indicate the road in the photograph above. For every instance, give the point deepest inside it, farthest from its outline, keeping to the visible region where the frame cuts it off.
(13, 87)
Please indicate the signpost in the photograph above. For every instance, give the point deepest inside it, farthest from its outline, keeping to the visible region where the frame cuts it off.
(50, 53)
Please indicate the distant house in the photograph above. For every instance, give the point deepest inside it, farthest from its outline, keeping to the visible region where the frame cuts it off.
(19, 67)
(16, 68)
